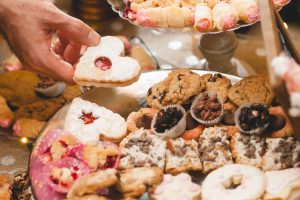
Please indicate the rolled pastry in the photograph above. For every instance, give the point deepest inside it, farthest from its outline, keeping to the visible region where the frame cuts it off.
(248, 10)
(26, 127)
(280, 3)
(6, 115)
(225, 16)
(203, 18)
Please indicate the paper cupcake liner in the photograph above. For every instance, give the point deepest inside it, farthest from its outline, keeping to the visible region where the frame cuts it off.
(256, 131)
(177, 130)
(208, 122)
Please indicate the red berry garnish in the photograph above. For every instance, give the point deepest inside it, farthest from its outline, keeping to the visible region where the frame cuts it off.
(103, 63)
(88, 118)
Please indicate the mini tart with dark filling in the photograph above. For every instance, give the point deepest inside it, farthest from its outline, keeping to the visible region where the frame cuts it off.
(169, 121)
(252, 118)
(207, 109)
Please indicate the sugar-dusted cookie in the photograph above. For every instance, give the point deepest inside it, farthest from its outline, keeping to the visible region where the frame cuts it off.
(133, 183)
(142, 149)
(252, 89)
(281, 154)
(218, 84)
(179, 88)
(104, 65)
(234, 181)
(182, 155)
(214, 149)
(248, 150)
(176, 187)
(91, 123)
(283, 184)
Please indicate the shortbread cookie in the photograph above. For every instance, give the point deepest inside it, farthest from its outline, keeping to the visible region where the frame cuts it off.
(176, 187)
(281, 154)
(248, 150)
(133, 183)
(283, 184)
(234, 181)
(179, 88)
(217, 83)
(92, 183)
(214, 149)
(104, 65)
(142, 149)
(252, 89)
(5, 192)
(182, 155)
(90, 123)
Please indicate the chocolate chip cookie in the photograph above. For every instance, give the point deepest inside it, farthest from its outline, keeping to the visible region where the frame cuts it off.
(252, 89)
(218, 84)
(178, 88)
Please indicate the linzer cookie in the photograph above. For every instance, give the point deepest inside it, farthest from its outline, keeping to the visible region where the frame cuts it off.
(281, 154)
(176, 187)
(214, 149)
(90, 123)
(182, 155)
(104, 65)
(142, 149)
(248, 150)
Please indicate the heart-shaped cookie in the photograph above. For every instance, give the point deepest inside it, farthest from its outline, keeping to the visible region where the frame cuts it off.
(90, 123)
(104, 65)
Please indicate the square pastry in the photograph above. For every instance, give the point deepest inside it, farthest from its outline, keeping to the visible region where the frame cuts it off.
(248, 150)
(214, 149)
(281, 154)
(142, 149)
(5, 192)
(182, 155)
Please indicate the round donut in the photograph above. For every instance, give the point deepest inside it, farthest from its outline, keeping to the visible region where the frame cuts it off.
(234, 182)
(140, 119)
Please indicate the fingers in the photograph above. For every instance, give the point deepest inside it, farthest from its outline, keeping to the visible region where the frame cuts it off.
(75, 30)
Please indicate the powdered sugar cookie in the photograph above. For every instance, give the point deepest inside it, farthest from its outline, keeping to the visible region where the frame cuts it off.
(176, 187)
(234, 182)
(104, 66)
(90, 123)
(283, 184)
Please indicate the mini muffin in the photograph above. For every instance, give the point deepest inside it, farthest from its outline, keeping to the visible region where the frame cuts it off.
(207, 109)
(169, 122)
(252, 118)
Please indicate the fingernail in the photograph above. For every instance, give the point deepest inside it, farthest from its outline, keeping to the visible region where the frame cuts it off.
(94, 38)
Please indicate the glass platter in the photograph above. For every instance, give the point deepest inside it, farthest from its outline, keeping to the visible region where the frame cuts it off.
(120, 100)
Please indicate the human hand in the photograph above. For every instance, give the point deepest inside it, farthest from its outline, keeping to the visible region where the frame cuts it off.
(29, 26)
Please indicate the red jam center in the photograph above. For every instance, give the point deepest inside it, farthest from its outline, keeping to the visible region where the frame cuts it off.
(88, 118)
(103, 63)
(110, 162)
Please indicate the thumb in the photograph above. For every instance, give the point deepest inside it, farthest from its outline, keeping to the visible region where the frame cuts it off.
(76, 31)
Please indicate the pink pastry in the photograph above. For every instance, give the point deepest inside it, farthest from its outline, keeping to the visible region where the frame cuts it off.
(63, 173)
(225, 16)
(248, 10)
(280, 3)
(6, 123)
(203, 19)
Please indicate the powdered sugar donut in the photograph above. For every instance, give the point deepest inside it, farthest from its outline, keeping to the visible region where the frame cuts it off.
(178, 187)
(104, 65)
(283, 184)
(234, 182)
